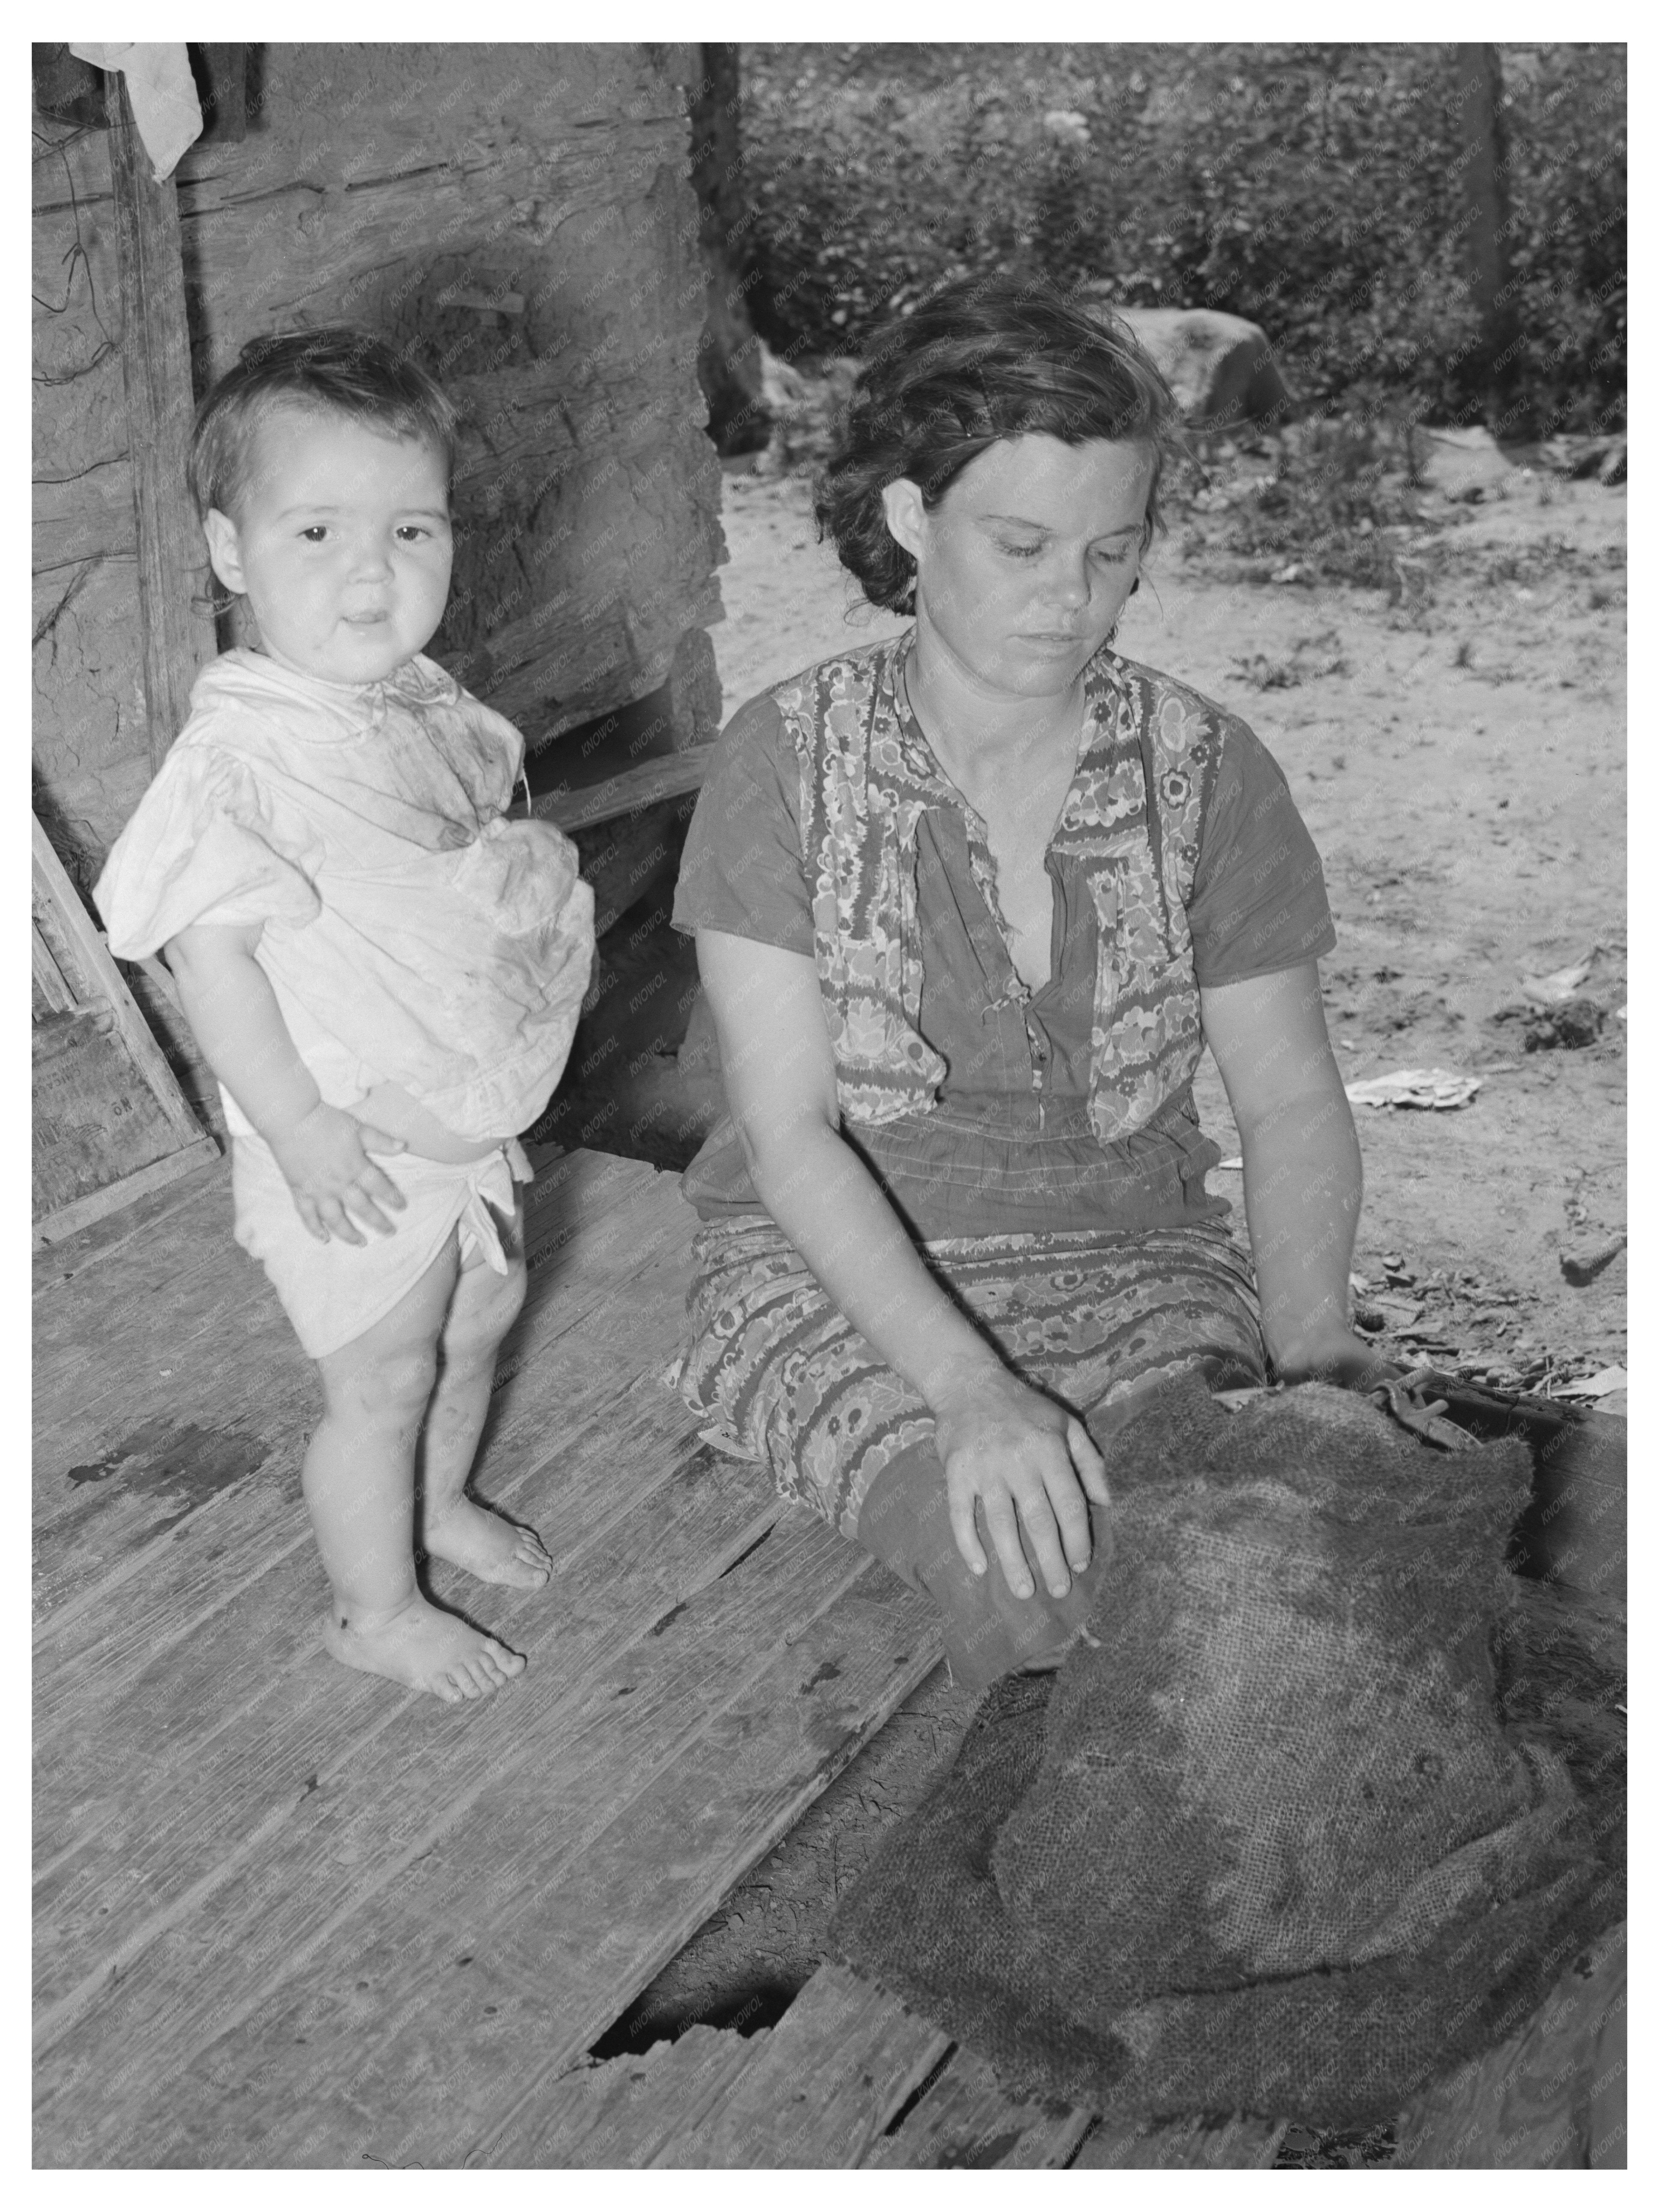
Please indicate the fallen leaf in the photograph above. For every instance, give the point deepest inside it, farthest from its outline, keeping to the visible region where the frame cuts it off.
(1437, 1088)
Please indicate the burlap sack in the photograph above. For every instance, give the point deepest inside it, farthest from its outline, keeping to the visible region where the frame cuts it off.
(1264, 1843)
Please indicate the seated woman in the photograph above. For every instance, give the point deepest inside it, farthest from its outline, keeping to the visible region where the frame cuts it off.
(969, 904)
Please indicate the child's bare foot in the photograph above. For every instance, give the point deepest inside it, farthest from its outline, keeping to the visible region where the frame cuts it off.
(496, 1550)
(424, 1650)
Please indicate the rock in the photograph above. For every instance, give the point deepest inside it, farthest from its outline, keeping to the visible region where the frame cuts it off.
(1583, 1266)
(1220, 368)
(1465, 463)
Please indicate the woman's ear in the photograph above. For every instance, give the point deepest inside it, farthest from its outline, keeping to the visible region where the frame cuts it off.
(907, 517)
(224, 548)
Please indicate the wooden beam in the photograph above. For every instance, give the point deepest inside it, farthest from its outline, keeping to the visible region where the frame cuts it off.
(635, 787)
(177, 631)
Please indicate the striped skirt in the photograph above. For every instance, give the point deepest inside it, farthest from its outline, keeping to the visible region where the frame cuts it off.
(1091, 1316)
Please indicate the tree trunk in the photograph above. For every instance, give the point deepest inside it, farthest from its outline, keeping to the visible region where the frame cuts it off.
(728, 356)
(1496, 360)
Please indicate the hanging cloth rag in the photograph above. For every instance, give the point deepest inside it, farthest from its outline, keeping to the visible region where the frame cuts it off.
(1279, 1836)
(162, 91)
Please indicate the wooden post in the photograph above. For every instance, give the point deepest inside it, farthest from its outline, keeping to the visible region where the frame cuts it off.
(178, 631)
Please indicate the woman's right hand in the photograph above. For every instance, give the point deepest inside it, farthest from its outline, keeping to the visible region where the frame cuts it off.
(1020, 1458)
(325, 1158)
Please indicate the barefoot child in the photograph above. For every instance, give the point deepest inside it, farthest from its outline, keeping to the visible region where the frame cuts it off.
(381, 970)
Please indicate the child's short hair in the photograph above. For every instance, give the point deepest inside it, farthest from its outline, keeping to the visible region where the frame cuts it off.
(340, 371)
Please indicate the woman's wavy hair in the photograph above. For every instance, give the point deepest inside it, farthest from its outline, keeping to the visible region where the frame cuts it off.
(335, 371)
(986, 359)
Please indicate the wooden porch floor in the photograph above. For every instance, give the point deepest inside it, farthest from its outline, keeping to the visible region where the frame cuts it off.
(286, 1914)
(289, 1916)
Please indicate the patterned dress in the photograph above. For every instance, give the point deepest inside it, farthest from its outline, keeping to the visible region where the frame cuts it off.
(1042, 1145)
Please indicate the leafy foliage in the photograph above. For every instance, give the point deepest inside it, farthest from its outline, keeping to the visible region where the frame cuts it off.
(1315, 189)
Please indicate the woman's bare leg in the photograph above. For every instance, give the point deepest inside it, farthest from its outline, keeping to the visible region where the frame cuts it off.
(453, 1526)
(359, 1484)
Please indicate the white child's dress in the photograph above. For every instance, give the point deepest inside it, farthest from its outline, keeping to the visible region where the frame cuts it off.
(410, 934)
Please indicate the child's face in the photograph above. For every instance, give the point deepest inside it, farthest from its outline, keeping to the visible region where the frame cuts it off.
(341, 542)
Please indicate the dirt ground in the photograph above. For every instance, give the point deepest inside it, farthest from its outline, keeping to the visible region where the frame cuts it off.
(1456, 746)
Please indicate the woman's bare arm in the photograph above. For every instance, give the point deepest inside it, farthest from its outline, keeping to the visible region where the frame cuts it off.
(235, 1019)
(1001, 1442)
(1303, 1179)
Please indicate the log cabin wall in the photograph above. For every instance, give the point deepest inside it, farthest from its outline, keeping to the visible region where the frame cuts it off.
(91, 744)
(521, 216)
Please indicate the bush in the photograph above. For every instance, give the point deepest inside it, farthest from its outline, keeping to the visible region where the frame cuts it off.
(1313, 189)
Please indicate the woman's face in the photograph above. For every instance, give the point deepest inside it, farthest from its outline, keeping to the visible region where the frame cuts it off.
(1024, 565)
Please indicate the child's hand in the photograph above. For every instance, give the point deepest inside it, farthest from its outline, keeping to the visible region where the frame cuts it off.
(325, 1156)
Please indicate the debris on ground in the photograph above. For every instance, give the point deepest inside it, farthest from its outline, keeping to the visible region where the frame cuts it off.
(1308, 2148)
(1606, 459)
(1479, 1329)
(1595, 1386)
(1373, 1316)
(1436, 1088)
(1566, 1028)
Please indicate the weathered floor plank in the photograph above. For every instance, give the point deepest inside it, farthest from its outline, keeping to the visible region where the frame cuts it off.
(186, 1695)
(120, 1889)
(284, 2073)
(623, 2113)
(185, 1670)
(107, 1340)
(967, 2121)
(224, 1812)
(818, 2092)
(194, 1695)
(177, 1418)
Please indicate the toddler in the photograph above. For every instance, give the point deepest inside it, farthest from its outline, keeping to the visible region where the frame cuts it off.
(382, 971)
